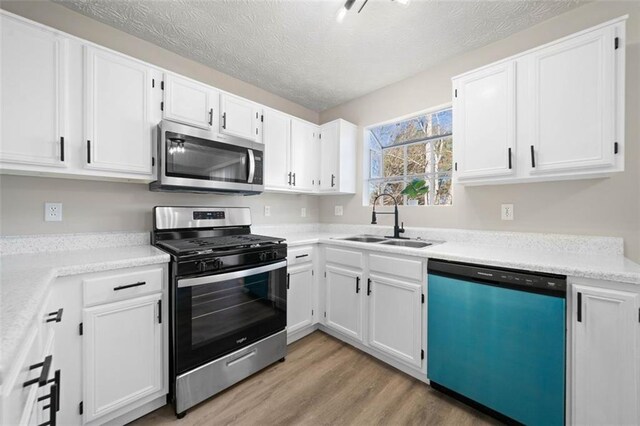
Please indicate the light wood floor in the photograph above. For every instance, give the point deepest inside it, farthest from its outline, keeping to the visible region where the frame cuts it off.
(326, 382)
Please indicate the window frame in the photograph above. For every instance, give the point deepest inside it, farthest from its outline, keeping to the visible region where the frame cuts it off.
(431, 177)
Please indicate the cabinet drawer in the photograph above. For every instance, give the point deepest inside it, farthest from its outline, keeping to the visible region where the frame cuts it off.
(300, 255)
(396, 266)
(121, 285)
(344, 257)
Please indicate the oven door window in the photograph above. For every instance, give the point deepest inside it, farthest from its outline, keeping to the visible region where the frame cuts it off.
(221, 313)
(195, 158)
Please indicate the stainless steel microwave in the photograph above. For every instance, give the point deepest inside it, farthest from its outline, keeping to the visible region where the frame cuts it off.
(189, 160)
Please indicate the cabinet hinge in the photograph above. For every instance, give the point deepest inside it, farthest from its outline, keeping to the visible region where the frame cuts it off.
(320, 136)
(325, 274)
(615, 147)
(162, 85)
(81, 407)
(312, 312)
(153, 161)
(80, 329)
(455, 93)
(325, 314)
(638, 314)
(161, 106)
(312, 272)
(455, 166)
(153, 82)
(423, 299)
(422, 354)
(616, 42)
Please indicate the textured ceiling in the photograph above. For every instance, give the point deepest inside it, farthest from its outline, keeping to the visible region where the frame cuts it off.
(296, 49)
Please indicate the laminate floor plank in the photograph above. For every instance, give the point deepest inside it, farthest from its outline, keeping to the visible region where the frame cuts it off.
(325, 382)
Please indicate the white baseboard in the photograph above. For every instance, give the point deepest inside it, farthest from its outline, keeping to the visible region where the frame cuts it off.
(301, 333)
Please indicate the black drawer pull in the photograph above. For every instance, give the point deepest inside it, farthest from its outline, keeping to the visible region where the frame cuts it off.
(88, 152)
(368, 286)
(294, 179)
(579, 308)
(56, 381)
(509, 158)
(58, 316)
(44, 373)
(357, 284)
(61, 148)
(333, 178)
(54, 405)
(224, 120)
(210, 116)
(533, 157)
(122, 287)
(301, 255)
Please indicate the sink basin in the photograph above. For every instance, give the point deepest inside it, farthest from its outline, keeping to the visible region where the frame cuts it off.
(365, 239)
(407, 243)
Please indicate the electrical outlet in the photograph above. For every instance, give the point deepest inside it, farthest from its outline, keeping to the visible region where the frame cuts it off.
(303, 212)
(338, 211)
(267, 210)
(507, 212)
(53, 212)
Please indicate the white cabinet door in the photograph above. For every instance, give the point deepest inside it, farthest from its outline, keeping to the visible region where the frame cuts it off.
(484, 106)
(117, 113)
(33, 94)
(344, 301)
(329, 151)
(573, 87)
(395, 318)
(299, 297)
(189, 102)
(277, 140)
(302, 155)
(606, 359)
(122, 354)
(240, 117)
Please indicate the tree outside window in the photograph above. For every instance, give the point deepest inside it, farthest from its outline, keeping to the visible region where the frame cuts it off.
(420, 147)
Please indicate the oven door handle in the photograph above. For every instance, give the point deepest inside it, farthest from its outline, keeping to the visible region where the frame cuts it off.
(252, 166)
(210, 279)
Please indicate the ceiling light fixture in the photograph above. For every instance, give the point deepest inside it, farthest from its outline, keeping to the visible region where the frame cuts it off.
(344, 9)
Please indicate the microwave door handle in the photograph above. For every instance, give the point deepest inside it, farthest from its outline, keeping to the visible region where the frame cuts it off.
(252, 166)
(210, 279)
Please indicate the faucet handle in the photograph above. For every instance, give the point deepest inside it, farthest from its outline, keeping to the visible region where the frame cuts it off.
(401, 227)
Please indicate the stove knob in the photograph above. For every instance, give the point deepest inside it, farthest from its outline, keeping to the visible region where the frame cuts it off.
(202, 266)
(217, 263)
(262, 256)
(274, 255)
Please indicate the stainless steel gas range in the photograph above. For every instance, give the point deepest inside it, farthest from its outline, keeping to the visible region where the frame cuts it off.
(228, 294)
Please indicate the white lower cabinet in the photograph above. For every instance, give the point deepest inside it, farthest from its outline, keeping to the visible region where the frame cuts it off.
(343, 301)
(122, 352)
(395, 318)
(300, 297)
(606, 356)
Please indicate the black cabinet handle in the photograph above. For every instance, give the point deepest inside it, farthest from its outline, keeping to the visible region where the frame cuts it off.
(56, 382)
(533, 158)
(368, 286)
(159, 311)
(289, 178)
(224, 120)
(61, 148)
(509, 158)
(54, 404)
(88, 152)
(357, 284)
(288, 281)
(44, 373)
(294, 179)
(333, 178)
(122, 287)
(301, 255)
(579, 308)
(210, 116)
(58, 316)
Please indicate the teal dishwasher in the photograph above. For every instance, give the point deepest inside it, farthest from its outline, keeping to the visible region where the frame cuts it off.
(496, 340)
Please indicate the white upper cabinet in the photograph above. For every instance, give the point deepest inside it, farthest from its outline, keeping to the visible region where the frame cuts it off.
(303, 155)
(240, 118)
(188, 102)
(485, 122)
(573, 89)
(554, 112)
(338, 157)
(118, 124)
(277, 149)
(606, 356)
(33, 92)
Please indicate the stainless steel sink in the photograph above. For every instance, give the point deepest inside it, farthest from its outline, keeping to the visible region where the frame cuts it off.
(407, 243)
(365, 239)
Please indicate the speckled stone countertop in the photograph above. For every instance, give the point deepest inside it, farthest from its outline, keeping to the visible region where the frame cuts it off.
(576, 256)
(25, 280)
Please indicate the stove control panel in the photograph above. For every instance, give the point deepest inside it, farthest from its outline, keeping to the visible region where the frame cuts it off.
(210, 264)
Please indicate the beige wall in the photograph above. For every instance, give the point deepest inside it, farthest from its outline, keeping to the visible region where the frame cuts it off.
(63, 19)
(595, 207)
(90, 206)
